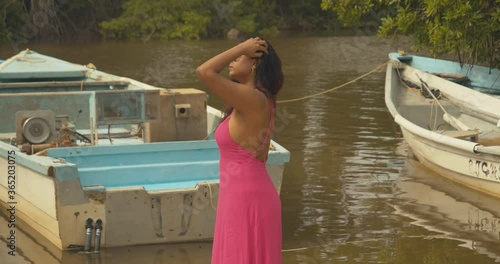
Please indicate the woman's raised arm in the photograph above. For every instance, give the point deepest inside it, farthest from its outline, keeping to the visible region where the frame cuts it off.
(240, 92)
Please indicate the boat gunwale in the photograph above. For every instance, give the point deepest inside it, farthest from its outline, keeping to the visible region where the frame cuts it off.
(452, 64)
(40, 164)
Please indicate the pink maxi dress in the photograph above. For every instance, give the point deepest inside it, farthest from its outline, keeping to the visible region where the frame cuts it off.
(248, 221)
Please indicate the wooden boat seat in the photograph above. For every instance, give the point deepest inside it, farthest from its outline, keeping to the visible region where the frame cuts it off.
(489, 141)
(472, 134)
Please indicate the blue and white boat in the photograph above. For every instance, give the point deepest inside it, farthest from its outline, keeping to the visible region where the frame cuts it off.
(483, 79)
(86, 150)
(452, 129)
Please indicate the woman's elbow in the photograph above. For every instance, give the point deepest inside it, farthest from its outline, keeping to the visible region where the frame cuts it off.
(201, 72)
(204, 75)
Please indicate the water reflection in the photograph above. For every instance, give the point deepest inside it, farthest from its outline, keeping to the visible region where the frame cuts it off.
(452, 210)
(343, 192)
(33, 248)
(347, 159)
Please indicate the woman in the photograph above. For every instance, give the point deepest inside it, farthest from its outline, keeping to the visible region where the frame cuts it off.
(248, 222)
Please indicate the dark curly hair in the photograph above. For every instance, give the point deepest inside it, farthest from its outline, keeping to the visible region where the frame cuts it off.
(268, 75)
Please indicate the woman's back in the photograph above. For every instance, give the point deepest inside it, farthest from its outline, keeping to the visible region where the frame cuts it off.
(248, 222)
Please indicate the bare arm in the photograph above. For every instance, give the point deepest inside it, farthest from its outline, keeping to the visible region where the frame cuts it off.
(243, 98)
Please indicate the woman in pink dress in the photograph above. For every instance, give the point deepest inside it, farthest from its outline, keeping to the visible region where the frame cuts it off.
(248, 222)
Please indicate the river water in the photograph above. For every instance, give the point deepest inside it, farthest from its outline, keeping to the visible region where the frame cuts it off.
(352, 192)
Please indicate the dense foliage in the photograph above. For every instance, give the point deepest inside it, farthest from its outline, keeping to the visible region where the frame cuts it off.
(214, 18)
(470, 28)
(24, 20)
(167, 19)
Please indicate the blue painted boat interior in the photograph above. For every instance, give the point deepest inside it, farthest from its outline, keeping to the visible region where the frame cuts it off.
(481, 78)
(155, 166)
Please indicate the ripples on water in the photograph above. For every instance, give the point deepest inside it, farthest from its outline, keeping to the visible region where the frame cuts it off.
(349, 194)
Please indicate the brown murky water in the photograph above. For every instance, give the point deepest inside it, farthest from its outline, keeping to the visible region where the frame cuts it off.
(350, 193)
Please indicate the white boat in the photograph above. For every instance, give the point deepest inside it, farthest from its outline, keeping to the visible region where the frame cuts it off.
(82, 150)
(457, 135)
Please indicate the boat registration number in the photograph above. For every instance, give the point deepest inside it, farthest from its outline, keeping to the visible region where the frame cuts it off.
(484, 169)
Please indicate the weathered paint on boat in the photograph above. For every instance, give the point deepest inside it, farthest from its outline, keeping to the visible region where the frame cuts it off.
(160, 192)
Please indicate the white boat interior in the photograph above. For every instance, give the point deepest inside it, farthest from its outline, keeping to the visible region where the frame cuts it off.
(443, 114)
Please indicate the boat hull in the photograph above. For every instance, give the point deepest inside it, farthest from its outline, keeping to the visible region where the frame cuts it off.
(480, 172)
(57, 206)
(455, 158)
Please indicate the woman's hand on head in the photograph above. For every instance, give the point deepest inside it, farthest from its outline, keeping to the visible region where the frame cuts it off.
(242, 96)
(254, 47)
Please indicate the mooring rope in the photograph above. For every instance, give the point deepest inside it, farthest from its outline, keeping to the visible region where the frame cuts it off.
(325, 91)
(334, 88)
(211, 195)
